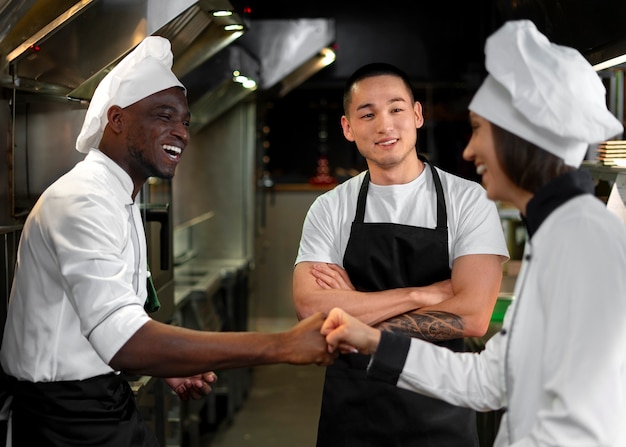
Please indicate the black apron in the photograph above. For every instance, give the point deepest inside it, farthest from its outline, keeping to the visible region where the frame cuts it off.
(99, 411)
(358, 412)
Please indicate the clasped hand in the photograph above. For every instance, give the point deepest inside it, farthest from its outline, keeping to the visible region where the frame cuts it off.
(349, 335)
(194, 387)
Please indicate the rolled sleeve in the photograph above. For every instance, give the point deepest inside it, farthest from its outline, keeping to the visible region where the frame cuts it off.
(113, 332)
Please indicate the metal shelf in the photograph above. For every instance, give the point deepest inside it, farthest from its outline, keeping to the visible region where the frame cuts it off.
(602, 172)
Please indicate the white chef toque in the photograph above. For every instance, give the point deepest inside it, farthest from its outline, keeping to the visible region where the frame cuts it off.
(545, 93)
(143, 72)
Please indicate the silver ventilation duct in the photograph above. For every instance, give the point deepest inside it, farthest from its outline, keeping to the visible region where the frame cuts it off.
(65, 47)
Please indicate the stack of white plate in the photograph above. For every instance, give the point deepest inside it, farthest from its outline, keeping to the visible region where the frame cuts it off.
(612, 153)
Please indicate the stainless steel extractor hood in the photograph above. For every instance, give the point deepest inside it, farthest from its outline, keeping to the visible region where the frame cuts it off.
(276, 55)
(213, 87)
(67, 47)
(290, 50)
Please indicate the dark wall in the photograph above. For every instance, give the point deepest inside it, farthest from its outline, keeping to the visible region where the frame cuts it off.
(438, 43)
(305, 125)
(441, 51)
(583, 24)
(431, 40)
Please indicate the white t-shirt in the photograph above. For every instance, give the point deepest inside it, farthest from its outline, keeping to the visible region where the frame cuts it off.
(80, 278)
(474, 226)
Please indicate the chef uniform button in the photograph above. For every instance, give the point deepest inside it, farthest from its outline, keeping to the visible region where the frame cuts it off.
(503, 331)
(527, 257)
(504, 409)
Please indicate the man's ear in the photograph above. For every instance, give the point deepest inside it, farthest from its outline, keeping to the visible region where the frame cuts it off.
(419, 115)
(115, 115)
(347, 129)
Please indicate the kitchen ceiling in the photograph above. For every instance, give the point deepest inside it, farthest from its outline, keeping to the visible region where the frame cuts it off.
(587, 26)
(433, 41)
(595, 28)
(64, 48)
(572, 22)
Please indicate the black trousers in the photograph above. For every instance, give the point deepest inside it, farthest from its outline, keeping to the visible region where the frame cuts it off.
(100, 411)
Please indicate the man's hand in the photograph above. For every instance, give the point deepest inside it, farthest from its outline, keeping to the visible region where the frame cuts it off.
(331, 276)
(347, 334)
(305, 343)
(194, 387)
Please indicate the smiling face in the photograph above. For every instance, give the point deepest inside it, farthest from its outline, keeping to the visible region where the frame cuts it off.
(481, 150)
(382, 119)
(147, 138)
(156, 133)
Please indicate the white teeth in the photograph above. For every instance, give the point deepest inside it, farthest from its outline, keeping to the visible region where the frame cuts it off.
(480, 169)
(173, 149)
(387, 143)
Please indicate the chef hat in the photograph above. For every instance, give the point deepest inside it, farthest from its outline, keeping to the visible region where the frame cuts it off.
(544, 93)
(144, 71)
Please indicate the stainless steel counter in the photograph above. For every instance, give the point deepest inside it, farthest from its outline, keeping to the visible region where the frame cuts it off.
(204, 275)
(191, 280)
(212, 295)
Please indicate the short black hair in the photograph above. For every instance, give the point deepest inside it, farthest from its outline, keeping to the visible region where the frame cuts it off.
(371, 70)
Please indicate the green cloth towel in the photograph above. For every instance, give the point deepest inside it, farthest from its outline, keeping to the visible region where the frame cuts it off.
(152, 303)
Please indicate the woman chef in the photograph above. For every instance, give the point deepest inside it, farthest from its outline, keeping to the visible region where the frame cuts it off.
(558, 366)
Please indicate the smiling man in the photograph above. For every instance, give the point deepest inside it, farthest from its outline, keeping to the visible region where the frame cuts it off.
(404, 247)
(76, 314)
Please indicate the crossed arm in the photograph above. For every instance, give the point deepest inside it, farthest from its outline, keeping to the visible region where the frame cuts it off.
(459, 307)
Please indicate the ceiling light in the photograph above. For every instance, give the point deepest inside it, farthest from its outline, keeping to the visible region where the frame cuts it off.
(233, 27)
(250, 84)
(610, 63)
(328, 56)
(222, 13)
(245, 81)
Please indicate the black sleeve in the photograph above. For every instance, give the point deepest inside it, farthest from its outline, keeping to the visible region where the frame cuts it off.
(388, 360)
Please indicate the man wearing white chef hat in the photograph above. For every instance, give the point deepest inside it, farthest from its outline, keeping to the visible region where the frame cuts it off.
(76, 314)
(148, 71)
(557, 369)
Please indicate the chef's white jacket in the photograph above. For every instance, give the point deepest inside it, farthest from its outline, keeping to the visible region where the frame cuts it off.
(558, 366)
(80, 279)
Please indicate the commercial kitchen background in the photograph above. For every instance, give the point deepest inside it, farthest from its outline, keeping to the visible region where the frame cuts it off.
(223, 233)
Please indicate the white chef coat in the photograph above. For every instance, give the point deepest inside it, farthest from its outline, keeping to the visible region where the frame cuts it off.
(558, 367)
(80, 278)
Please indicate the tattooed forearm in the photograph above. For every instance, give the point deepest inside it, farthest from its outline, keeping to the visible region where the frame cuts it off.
(431, 326)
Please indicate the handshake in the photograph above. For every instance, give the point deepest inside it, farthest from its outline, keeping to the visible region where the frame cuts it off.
(318, 339)
(315, 339)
